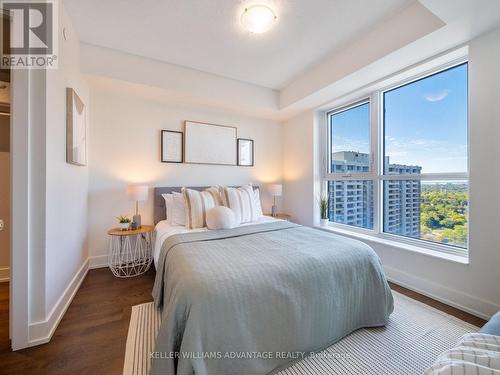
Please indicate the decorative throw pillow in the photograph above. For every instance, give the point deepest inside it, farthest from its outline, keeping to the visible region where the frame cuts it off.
(242, 201)
(258, 206)
(220, 217)
(169, 203)
(475, 353)
(178, 209)
(197, 205)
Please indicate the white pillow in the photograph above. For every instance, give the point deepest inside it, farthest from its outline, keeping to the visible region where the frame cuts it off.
(197, 203)
(475, 353)
(169, 202)
(220, 217)
(242, 201)
(258, 206)
(178, 210)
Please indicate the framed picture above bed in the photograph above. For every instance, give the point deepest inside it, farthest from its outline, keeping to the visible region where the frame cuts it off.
(206, 143)
(171, 146)
(245, 152)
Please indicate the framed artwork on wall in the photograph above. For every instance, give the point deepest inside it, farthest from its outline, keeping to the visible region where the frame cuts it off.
(245, 148)
(76, 129)
(209, 143)
(172, 146)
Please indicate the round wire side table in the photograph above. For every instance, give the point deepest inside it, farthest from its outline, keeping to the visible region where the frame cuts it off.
(130, 251)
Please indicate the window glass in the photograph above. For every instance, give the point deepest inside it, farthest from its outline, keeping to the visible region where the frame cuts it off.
(425, 125)
(350, 140)
(351, 202)
(428, 210)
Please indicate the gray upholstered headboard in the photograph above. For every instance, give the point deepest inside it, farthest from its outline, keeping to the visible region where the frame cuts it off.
(159, 212)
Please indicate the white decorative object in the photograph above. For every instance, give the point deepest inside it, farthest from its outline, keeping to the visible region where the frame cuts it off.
(198, 203)
(130, 251)
(258, 18)
(475, 353)
(241, 201)
(220, 217)
(123, 226)
(323, 222)
(209, 143)
(178, 209)
(169, 206)
(258, 205)
(76, 129)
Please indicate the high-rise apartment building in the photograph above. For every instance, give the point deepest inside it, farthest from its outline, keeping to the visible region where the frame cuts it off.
(351, 202)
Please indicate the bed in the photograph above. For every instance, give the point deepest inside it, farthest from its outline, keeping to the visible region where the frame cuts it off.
(252, 299)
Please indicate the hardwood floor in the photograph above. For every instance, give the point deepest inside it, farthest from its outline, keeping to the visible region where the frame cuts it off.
(462, 315)
(91, 337)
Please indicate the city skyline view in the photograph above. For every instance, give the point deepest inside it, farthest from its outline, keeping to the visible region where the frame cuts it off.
(429, 210)
(424, 131)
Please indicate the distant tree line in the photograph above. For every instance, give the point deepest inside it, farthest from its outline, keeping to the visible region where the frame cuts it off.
(443, 215)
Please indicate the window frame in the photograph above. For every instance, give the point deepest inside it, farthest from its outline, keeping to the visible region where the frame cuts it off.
(376, 173)
(336, 176)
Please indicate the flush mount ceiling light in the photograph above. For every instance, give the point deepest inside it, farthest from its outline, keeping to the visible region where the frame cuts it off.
(258, 18)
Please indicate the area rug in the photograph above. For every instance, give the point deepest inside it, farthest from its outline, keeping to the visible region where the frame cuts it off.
(414, 337)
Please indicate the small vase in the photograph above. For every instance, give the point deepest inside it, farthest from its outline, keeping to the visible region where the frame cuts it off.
(323, 222)
(123, 226)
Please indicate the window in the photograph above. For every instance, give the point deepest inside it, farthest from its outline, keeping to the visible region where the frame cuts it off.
(350, 139)
(350, 201)
(410, 181)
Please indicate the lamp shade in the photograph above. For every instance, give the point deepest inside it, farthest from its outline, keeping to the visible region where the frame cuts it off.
(275, 189)
(137, 192)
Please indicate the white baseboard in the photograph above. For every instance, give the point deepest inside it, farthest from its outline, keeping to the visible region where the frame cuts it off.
(98, 261)
(4, 274)
(456, 298)
(41, 332)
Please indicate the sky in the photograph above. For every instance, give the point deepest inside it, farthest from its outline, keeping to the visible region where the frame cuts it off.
(425, 124)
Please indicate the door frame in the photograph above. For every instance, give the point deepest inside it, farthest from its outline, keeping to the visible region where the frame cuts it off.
(19, 206)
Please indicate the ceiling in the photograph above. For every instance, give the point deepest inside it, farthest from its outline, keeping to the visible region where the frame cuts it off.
(206, 34)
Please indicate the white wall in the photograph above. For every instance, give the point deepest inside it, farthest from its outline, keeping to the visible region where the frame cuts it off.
(57, 193)
(474, 287)
(125, 148)
(67, 184)
(298, 167)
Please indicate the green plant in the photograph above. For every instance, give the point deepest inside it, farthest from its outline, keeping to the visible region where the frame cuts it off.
(323, 206)
(123, 219)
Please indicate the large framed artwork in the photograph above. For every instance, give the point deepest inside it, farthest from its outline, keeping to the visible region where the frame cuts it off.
(76, 129)
(171, 146)
(245, 152)
(206, 143)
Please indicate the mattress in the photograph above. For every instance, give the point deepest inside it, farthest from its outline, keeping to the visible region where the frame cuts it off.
(164, 230)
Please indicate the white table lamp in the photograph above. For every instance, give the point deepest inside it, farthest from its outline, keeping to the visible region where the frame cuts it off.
(276, 190)
(137, 193)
